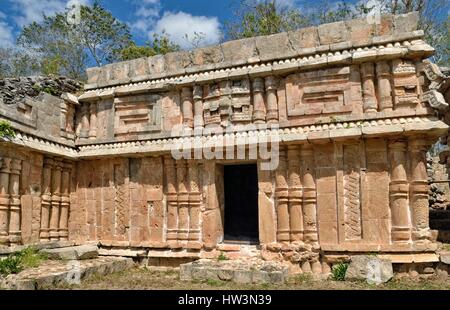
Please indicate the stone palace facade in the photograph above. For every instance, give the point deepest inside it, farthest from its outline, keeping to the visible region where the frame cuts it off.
(347, 109)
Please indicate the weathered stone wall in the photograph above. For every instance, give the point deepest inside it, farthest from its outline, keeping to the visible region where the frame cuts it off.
(350, 104)
(40, 106)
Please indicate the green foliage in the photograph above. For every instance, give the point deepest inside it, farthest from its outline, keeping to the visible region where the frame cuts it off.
(160, 45)
(6, 130)
(266, 17)
(46, 89)
(255, 18)
(222, 257)
(18, 261)
(64, 48)
(10, 265)
(338, 272)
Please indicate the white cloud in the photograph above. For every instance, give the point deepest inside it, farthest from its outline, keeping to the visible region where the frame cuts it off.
(6, 32)
(147, 12)
(178, 25)
(28, 11)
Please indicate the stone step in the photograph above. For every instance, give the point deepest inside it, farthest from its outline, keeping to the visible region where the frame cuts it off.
(80, 252)
(52, 273)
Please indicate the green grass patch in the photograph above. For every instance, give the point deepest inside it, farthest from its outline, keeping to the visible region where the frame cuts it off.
(18, 261)
(222, 257)
(338, 272)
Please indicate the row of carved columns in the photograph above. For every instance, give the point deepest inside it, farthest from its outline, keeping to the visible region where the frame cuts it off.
(10, 207)
(55, 203)
(409, 196)
(184, 200)
(265, 103)
(87, 126)
(295, 194)
(383, 91)
(67, 120)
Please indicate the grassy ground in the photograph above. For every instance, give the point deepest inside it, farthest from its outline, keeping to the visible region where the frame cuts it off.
(142, 278)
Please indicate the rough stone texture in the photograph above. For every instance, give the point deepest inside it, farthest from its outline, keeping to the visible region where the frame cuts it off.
(369, 268)
(445, 257)
(238, 271)
(350, 106)
(76, 253)
(15, 90)
(53, 273)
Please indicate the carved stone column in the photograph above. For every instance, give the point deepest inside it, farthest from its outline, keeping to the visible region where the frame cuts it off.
(187, 104)
(14, 215)
(84, 131)
(195, 201)
(369, 96)
(272, 100)
(46, 199)
(4, 198)
(172, 201)
(419, 188)
(295, 194)
(93, 120)
(183, 201)
(56, 201)
(259, 108)
(282, 197)
(398, 193)
(65, 202)
(309, 194)
(70, 121)
(198, 106)
(384, 86)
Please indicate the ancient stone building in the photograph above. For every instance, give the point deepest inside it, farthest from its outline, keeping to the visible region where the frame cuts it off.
(309, 144)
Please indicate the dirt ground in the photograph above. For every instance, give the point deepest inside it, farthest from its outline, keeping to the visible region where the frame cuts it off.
(144, 279)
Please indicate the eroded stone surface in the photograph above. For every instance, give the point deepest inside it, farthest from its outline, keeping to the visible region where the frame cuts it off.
(238, 271)
(369, 268)
(73, 253)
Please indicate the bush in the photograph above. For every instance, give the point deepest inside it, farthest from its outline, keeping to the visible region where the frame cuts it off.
(338, 271)
(11, 265)
(16, 262)
(6, 130)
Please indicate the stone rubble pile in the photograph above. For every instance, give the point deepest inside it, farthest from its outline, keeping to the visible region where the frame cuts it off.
(15, 90)
(439, 192)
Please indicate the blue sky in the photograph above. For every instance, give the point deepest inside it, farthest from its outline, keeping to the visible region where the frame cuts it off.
(145, 17)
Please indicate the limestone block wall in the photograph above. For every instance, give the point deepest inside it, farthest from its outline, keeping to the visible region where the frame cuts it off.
(350, 195)
(34, 197)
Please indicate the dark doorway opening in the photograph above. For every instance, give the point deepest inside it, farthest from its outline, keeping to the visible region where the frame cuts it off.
(241, 203)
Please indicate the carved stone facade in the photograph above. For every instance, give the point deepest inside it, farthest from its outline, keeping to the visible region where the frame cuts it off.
(351, 119)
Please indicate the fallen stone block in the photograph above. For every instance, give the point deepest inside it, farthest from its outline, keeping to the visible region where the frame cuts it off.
(372, 269)
(81, 252)
(445, 257)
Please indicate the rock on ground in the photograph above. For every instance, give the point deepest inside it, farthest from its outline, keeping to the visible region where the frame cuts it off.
(370, 268)
(73, 253)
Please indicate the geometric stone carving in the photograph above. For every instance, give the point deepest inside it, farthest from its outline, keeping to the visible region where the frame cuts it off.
(137, 114)
(319, 92)
(352, 192)
(406, 83)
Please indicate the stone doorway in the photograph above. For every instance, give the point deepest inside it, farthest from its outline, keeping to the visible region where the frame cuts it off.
(241, 203)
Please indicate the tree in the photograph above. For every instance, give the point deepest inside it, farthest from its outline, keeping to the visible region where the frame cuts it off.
(65, 48)
(256, 18)
(268, 17)
(160, 45)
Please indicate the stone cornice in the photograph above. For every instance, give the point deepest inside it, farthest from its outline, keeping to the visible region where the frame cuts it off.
(414, 48)
(332, 37)
(321, 133)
